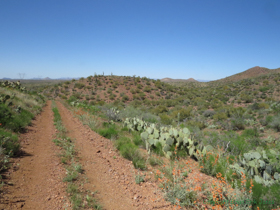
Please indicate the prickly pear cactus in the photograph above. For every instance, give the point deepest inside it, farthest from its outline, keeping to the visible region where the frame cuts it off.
(15, 85)
(259, 165)
(167, 136)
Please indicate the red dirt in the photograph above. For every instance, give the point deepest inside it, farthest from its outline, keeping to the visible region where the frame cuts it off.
(35, 178)
(108, 173)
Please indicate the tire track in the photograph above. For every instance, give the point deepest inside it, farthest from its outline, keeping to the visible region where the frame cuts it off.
(107, 172)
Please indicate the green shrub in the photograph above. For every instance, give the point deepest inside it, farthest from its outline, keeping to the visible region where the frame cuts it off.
(263, 105)
(155, 161)
(200, 124)
(208, 113)
(9, 142)
(79, 85)
(275, 123)
(264, 89)
(238, 124)
(132, 90)
(137, 139)
(108, 132)
(128, 150)
(184, 113)
(131, 152)
(139, 179)
(220, 116)
(63, 97)
(147, 89)
(160, 109)
(215, 103)
(252, 132)
(246, 98)
(13, 120)
(142, 95)
(268, 120)
(165, 119)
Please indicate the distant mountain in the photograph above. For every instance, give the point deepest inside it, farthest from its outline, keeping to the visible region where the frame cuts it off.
(249, 73)
(201, 80)
(68, 78)
(178, 80)
(61, 78)
(6, 78)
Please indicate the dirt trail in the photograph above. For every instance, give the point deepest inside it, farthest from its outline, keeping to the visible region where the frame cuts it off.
(108, 173)
(35, 179)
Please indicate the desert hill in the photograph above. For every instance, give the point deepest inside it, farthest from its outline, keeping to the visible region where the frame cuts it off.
(178, 80)
(108, 89)
(249, 73)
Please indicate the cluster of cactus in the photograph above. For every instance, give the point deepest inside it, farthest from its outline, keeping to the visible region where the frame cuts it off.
(4, 98)
(113, 114)
(15, 85)
(135, 124)
(263, 167)
(154, 134)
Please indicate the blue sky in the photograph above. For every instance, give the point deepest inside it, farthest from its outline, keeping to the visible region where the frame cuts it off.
(208, 39)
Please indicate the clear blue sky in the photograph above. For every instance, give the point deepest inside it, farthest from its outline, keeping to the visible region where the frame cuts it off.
(207, 39)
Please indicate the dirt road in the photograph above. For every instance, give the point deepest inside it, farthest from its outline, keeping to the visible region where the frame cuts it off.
(35, 179)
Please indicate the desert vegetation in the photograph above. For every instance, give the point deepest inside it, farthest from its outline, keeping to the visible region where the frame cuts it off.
(225, 132)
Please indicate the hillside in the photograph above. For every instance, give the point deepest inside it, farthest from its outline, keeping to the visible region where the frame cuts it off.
(249, 73)
(107, 89)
